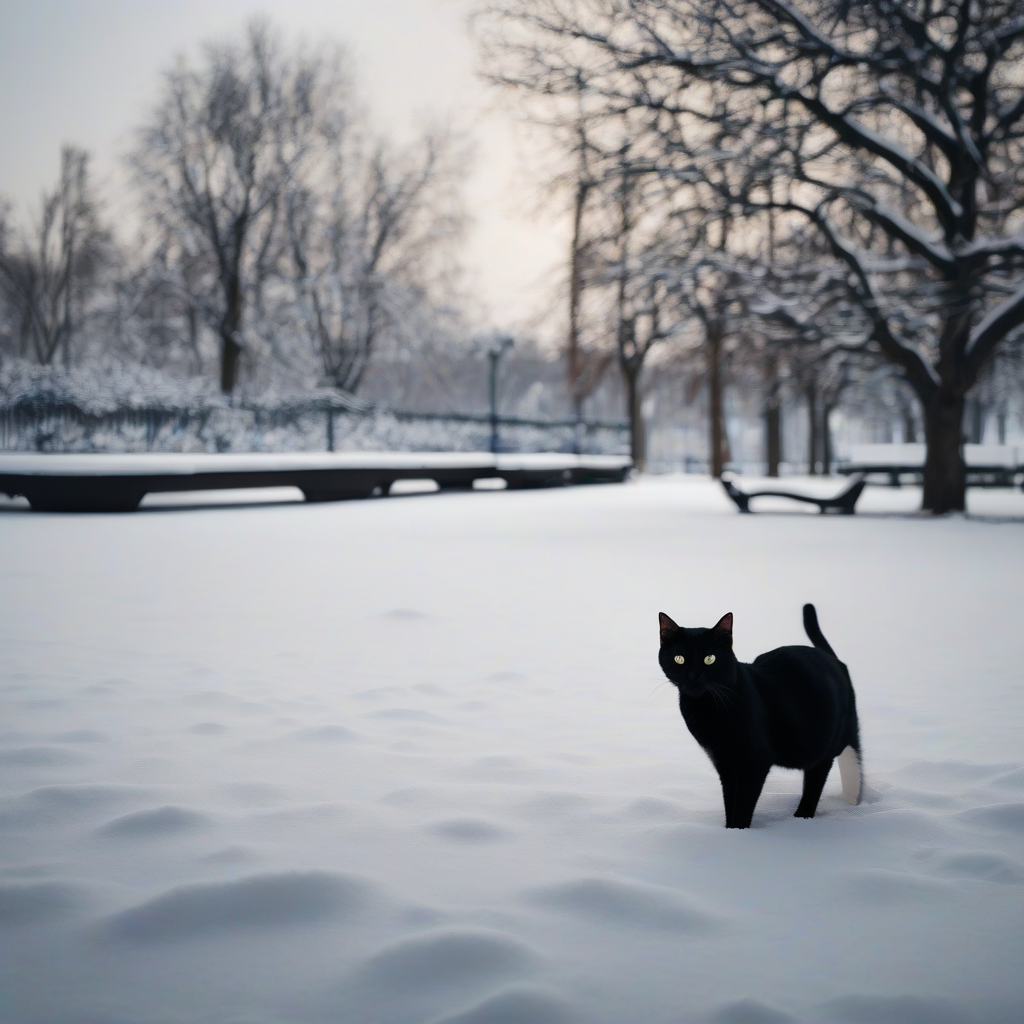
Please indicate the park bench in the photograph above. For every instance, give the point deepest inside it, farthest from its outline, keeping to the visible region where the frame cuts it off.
(844, 502)
(988, 465)
(118, 482)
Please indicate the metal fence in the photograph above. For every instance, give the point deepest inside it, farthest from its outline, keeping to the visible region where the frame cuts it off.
(321, 425)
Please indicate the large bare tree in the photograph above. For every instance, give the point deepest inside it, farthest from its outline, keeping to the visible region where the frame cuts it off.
(370, 245)
(229, 135)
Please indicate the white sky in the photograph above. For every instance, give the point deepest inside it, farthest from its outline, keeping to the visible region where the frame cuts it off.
(86, 71)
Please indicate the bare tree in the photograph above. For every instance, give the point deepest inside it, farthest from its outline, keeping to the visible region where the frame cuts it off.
(632, 263)
(814, 329)
(585, 363)
(370, 246)
(49, 274)
(629, 232)
(214, 161)
(716, 291)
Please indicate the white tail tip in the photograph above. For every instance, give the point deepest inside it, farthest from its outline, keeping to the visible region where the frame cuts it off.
(849, 772)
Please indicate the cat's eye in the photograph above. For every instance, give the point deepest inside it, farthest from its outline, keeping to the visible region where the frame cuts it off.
(679, 659)
(709, 660)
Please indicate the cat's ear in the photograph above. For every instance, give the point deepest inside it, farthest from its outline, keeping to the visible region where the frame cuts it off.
(724, 624)
(668, 628)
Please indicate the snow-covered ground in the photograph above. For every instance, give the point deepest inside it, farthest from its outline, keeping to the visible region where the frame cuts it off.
(411, 760)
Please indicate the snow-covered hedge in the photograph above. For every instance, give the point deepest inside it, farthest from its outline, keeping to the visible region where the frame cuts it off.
(112, 407)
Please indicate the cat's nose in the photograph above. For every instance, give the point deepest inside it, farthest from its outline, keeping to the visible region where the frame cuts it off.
(693, 675)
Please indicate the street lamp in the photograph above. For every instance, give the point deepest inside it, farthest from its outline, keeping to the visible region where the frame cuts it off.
(500, 344)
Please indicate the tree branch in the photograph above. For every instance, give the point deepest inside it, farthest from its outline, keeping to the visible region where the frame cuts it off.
(997, 325)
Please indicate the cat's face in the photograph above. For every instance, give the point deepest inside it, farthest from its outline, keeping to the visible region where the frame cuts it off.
(694, 659)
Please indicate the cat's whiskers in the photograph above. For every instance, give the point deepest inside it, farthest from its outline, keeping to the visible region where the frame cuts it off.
(715, 696)
(722, 695)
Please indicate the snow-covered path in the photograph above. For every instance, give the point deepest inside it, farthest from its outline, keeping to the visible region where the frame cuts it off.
(411, 760)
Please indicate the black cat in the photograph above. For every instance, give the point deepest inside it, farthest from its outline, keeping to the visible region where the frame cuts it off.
(793, 707)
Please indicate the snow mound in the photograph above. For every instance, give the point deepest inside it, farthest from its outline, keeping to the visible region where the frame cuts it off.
(520, 1005)
(153, 824)
(445, 959)
(621, 901)
(262, 901)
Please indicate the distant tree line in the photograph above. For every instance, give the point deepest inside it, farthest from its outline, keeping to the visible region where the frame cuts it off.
(271, 218)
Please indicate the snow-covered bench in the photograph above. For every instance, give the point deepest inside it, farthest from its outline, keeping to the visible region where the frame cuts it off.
(117, 483)
(993, 465)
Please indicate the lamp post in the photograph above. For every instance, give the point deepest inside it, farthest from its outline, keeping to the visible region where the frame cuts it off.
(500, 345)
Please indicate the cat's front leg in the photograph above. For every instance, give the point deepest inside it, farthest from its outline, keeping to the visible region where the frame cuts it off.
(741, 788)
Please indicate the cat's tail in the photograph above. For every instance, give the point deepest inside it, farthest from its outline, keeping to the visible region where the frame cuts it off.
(813, 630)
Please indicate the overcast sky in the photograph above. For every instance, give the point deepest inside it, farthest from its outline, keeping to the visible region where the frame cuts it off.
(86, 71)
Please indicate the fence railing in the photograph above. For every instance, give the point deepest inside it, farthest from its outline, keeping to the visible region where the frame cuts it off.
(331, 424)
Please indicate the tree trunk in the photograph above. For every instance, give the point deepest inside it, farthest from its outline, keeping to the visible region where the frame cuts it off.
(575, 293)
(976, 433)
(229, 353)
(716, 410)
(909, 426)
(230, 327)
(772, 419)
(945, 478)
(826, 439)
(773, 434)
(637, 433)
(811, 393)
